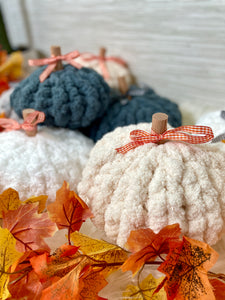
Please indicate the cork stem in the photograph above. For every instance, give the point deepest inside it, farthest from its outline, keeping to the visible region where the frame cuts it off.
(102, 52)
(159, 122)
(25, 113)
(123, 87)
(56, 51)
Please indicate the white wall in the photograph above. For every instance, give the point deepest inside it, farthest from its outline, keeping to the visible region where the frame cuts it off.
(176, 46)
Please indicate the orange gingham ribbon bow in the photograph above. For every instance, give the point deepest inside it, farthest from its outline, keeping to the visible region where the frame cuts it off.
(52, 61)
(89, 57)
(29, 124)
(189, 134)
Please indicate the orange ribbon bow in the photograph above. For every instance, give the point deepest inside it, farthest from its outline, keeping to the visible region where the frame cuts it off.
(189, 134)
(102, 60)
(29, 124)
(52, 61)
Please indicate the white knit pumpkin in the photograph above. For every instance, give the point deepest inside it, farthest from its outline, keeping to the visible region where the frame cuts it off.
(155, 185)
(39, 165)
(214, 120)
(115, 70)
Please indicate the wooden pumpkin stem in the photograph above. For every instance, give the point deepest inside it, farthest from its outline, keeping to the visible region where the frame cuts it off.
(25, 113)
(123, 87)
(159, 122)
(102, 52)
(56, 51)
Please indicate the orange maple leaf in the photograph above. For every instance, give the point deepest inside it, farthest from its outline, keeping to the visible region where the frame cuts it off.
(68, 211)
(218, 288)
(28, 227)
(24, 282)
(147, 245)
(186, 269)
(68, 275)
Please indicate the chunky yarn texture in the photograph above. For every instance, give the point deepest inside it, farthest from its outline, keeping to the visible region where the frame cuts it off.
(38, 165)
(115, 70)
(155, 185)
(70, 98)
(137, 110)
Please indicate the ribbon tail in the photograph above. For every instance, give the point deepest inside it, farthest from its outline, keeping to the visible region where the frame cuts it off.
(124, 149)
(75, 64)
(103, 67)
(47, 72)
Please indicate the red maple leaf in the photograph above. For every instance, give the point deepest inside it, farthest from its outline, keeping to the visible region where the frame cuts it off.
(68, 211)
(28, 227)
(147, 245)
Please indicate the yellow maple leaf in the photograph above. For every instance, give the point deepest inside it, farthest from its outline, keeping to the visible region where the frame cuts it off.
(9, 200)
(145, 290)
(40, 199)
(100, 251)
(8, 255)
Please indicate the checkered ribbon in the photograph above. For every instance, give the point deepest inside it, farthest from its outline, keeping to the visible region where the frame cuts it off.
(29, 124)
(189, 134)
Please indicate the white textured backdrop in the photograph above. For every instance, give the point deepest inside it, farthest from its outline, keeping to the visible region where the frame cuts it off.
(178, 47)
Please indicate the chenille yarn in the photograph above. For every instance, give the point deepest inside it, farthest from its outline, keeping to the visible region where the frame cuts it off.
(70, 98)
(155, 185)
(139, 109)
(38, 165)
(114, 69)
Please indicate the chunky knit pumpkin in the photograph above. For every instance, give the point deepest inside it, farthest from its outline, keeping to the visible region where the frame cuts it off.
(114, 69)
(39, 165)
(70, 98)
(155, 185)
(139, 109)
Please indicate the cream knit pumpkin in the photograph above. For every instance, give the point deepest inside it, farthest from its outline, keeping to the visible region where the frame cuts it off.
(155, 185)
(115, 70)
(39, 165)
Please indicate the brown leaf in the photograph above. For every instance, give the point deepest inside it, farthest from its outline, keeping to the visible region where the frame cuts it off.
(186, 269)
(28, 227)
(147, 245)
(9, 200)
(68, 211)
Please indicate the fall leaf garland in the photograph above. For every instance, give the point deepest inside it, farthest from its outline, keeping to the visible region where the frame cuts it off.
(80, 268)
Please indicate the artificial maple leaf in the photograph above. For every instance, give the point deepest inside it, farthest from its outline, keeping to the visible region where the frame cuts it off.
(145, 290)
(186, 269)
(9, 200)
(28, 227)
(68, 211)
(68, 277)
(40, 199)
(8, 255)
(24, 282)
(109, 255)
(147, 245)
(218, 288)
